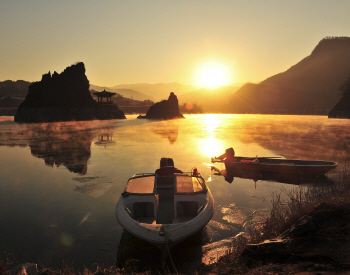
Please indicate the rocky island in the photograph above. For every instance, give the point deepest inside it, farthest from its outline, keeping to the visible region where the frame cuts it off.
(166, 109)
(64, 97)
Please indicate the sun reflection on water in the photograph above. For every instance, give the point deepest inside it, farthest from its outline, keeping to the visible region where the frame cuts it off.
(212, 144)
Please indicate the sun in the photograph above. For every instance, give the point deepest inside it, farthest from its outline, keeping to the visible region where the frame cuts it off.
(213, 75)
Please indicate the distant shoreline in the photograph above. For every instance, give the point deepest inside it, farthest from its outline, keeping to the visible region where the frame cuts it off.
(11, 111)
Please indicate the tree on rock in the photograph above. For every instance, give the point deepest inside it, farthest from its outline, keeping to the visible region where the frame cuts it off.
(342, 108)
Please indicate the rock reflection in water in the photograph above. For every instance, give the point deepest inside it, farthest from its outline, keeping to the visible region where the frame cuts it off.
(57, 143)
(69, 149)
(167, 129)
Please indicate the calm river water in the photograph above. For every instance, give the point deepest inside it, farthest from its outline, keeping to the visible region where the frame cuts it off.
(60, 182)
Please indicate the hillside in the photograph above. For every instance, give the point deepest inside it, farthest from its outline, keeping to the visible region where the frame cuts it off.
(311, 86)
(210, 100)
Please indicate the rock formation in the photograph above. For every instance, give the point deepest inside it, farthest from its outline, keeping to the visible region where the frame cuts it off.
(63, 97)
(166, 109)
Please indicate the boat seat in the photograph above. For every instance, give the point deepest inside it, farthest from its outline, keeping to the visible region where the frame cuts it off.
(186, 211)
(186, 208)
(165, 192)
(143, 209)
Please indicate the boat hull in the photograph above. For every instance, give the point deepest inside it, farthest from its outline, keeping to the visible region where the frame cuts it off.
(165, 236)
(266, 166)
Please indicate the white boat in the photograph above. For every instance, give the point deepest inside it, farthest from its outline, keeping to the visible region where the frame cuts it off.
(165, 209)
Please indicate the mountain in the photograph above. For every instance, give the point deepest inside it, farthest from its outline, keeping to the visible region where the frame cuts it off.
(11, 88)
(129, 93)
(157, 92)
(210, 100)
(311, 86)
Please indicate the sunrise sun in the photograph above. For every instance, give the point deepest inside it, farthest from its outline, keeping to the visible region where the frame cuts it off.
(213, 75)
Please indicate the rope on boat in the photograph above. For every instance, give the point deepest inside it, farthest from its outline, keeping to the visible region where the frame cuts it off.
(166, 242)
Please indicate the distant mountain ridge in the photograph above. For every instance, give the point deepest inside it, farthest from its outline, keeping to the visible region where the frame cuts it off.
(310, 86)
(129, 93)
(210, 100)
(14, 88)
(159, 91)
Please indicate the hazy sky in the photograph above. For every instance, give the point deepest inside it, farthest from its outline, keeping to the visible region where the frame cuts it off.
(130, 41)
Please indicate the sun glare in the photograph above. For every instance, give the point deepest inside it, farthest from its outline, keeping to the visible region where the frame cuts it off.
(213, 75)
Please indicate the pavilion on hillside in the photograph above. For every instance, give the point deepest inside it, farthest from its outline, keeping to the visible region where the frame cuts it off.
(102, 95)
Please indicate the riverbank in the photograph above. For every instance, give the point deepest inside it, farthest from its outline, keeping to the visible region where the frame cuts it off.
(322, 248)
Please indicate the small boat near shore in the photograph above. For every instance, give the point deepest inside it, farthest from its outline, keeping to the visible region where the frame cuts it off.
(275, 165)
(165, 207)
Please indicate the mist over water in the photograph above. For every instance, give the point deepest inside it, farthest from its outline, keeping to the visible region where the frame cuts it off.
(60, 182)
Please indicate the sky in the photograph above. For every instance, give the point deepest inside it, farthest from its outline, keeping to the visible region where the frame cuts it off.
(165, 41)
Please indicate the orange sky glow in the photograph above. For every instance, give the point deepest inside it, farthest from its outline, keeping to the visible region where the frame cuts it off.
(156, 41)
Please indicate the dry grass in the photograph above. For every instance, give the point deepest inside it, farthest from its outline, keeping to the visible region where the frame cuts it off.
(300, 201)
(6, 260)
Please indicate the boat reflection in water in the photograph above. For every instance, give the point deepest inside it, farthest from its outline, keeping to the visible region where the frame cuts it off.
(229, 174)
(137, 255)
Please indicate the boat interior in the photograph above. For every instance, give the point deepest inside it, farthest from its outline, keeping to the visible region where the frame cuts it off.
(153, 199)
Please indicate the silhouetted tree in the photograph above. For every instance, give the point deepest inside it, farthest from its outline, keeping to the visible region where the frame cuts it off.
(345, 88)
(191, 108)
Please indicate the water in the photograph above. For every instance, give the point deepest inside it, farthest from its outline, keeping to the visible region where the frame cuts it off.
(60, 182)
